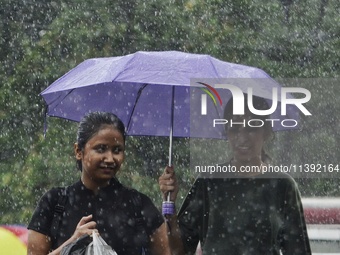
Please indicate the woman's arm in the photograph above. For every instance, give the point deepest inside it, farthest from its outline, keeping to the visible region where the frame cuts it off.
(168, 183)
(40, 244)
(174, 233)
(165, 242)
(160, 242)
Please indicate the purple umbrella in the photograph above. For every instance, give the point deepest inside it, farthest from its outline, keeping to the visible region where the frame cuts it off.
(154, 93)
(149, 91)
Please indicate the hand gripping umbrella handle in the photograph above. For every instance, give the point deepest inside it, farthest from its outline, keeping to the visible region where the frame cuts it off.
(168, 207)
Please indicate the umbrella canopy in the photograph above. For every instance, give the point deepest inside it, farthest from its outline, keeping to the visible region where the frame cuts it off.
(10, 243)
(152, 92)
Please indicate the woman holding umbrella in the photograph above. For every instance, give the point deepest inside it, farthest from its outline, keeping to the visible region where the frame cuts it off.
(126, 219)
(245, 212)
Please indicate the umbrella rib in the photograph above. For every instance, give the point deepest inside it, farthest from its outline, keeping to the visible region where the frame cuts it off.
(217, 74)
(134, 105)
(61, 99)
(47, 110)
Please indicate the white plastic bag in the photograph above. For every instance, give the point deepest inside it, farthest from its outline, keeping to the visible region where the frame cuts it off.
(99, 247)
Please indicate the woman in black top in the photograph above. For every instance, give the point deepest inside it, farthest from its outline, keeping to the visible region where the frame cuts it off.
(126, 219)
(244, 213)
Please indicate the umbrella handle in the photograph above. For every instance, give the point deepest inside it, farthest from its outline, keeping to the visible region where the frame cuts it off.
(168, 208)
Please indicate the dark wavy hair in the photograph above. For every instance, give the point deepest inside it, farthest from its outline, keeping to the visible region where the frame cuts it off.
(259, 103)
(92, 123)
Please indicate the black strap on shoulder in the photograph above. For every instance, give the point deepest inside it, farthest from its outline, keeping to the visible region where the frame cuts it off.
(58, 213)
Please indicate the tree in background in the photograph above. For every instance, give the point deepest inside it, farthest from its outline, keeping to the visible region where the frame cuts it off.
(41, 40)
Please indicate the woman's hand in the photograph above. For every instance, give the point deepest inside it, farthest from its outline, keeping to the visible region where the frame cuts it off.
(85, 226)
(39, 244)
(168, 183)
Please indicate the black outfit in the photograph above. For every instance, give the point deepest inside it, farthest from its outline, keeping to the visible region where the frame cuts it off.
(244, 216)
(112, 209)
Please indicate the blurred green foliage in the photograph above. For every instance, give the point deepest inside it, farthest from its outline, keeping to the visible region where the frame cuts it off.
(41, 40)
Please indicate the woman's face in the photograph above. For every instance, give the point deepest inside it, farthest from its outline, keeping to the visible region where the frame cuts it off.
(102, 156)
(246, 142)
